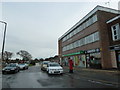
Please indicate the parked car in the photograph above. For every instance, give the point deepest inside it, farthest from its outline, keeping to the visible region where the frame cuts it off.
(11, 68)
(54, 68)
(27, 65)
(23, 66)
(44, 65)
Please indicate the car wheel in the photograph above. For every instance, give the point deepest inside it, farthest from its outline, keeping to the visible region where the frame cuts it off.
(48, 72)
(15, 71)
(24, 68)
(3, 72)
(61, 73)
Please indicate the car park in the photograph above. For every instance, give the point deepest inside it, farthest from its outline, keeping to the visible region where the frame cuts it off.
(11, 68)
(23, 66)
(44, 65)
(54, 68)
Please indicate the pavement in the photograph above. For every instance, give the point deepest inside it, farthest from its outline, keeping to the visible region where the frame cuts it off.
(94, 70)
(97, 75)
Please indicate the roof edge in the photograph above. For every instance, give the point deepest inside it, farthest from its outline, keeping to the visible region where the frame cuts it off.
(98, 7)
(113, 19)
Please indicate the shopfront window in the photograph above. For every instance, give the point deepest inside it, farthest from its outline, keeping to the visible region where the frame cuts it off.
(95, 60)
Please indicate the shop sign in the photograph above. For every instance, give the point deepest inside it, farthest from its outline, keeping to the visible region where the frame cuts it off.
(81, 52)
(93, 50)
(115, 48)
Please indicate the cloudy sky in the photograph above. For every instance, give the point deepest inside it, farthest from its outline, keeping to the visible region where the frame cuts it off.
(36, 26)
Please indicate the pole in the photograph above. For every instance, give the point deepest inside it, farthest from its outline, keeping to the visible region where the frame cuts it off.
(3, 39)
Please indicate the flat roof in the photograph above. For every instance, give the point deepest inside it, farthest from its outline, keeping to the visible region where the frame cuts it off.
(101, 8)
(113, 19)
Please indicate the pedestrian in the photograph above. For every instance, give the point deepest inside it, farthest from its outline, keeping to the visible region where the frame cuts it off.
(70, 65)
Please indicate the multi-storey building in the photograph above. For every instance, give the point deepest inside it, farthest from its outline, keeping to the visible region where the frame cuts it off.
(114, 37)
(87, 42)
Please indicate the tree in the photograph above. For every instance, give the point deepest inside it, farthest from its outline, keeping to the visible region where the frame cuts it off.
(25, 55)
(41, 59)
(7, 55)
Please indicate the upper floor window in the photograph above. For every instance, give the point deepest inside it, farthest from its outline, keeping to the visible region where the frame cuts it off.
(115, 32)
(84, 25)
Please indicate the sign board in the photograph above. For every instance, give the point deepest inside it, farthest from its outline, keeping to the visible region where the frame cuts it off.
(92, 50)
(76, 53)
(115, 47)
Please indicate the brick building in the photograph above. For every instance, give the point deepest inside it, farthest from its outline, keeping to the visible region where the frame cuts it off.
(114, 37)
(87, 42)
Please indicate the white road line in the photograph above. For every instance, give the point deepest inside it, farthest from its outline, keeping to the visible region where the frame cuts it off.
(100, 83)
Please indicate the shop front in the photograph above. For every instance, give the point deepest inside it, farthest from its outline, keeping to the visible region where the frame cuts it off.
(93, 58)
(116, 49)
(78, 58)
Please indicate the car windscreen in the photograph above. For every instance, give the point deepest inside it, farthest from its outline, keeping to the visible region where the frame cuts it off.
(54, 65)
(11, 65)
(45, 62)
(21, 64)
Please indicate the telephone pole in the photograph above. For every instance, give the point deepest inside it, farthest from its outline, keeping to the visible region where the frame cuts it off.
(4, 35)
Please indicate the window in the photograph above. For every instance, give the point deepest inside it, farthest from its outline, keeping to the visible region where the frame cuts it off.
(75, 44)
(63, 49)
(82, 41)
(87, 23)
(91, 38)
(96, 36)
(86, 40)
(71, 34)
(63, 39)
(115, 32)
(70, 46)
(94, 18)
(80, 27)
(74, 32)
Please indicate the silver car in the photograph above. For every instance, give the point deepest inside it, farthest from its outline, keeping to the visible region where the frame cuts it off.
(44, 65)
(23, 66)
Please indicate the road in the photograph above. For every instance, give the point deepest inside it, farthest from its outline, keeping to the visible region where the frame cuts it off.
(35, 78)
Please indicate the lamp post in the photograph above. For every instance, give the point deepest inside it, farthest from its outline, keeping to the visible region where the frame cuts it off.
(3, 45)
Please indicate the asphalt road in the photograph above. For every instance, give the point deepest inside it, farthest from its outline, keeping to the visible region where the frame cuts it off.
(35, 78)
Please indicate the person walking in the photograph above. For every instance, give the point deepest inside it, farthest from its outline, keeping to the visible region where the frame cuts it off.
(70, 65)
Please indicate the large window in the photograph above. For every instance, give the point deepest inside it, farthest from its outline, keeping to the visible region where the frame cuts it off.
(83, 41)
(115, 32)
(83, 25)
(96, 36)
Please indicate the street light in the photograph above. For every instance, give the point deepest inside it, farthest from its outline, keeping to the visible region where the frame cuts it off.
(3, 38)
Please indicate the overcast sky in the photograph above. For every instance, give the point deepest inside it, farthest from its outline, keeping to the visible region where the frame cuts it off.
(36, 26)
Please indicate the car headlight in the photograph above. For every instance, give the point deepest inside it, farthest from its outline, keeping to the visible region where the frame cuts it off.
(3, 69)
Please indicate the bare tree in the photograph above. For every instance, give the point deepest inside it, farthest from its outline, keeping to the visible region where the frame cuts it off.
(25, 55)
(7, 56)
